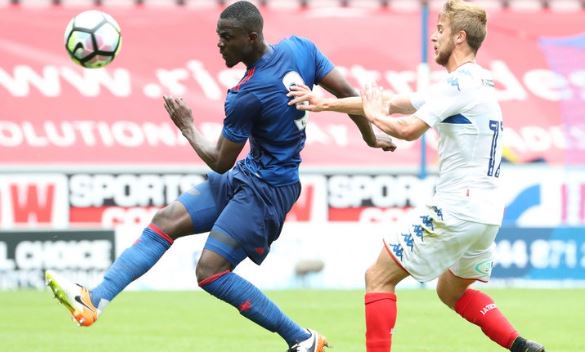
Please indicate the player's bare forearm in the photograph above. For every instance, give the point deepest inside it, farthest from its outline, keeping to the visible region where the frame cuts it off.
(400, 104)
(376, 111)
(345, 102)
(390, 126)
(181, 115)
(205, 149)
(351, 105)
(221, 156)
(304, 99)
(365, 128)
(348, 102)
(408, 128)
(373, 139)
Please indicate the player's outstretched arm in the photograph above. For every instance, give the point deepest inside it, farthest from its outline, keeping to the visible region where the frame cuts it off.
(305, 99)
(375, 107)
(220, 156)
(347, 100)
(398, 104)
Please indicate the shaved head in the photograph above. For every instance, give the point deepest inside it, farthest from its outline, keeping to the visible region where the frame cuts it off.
(246, 14)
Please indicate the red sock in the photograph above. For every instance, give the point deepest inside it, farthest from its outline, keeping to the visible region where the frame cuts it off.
(480, 309)
(380, 320)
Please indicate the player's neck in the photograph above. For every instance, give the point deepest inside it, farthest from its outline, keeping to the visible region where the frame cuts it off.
(459, 59)
(262, 49)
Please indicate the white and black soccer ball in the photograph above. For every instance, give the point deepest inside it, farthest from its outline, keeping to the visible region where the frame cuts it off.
(93, 39)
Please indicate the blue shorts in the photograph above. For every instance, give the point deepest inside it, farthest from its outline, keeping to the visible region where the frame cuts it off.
(243, 214)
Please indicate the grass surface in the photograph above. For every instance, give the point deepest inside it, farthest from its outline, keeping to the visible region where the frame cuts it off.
(195, 321)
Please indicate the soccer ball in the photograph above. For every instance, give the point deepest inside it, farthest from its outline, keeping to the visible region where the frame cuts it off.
(93, 39)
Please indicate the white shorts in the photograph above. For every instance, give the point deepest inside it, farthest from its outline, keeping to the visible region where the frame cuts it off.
(436, 241)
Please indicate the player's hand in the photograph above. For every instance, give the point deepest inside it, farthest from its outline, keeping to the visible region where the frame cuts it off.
(384, 142)
(373, 102)
(304, 98)
(179, 112)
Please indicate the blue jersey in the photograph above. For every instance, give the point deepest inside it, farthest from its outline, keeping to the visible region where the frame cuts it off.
(257, 109)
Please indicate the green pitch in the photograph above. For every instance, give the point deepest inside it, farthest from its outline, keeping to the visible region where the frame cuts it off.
(197, 322)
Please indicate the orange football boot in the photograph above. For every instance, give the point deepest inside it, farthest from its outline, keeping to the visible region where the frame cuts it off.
(74, 297)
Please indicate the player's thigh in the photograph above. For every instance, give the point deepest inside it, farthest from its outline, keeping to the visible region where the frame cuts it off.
(253, 219)
(239, 232)
(477, 261)
(431, 242)
(202, 206)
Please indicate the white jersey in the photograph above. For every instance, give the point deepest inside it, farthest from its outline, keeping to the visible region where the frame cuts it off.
(466, 114)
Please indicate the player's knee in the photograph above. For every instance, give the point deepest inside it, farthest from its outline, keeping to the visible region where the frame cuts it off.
(163, 220)
(369, 278)
(204, 271)
(446, 295)
(173, 220)
(384, 276)
(450, 288)
(209, 265)
(376, 280)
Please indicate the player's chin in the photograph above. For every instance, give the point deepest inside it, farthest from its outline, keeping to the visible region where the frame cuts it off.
(230, 63)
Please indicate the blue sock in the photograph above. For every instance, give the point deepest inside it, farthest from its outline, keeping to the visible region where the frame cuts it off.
(254, 305)
(131, 264)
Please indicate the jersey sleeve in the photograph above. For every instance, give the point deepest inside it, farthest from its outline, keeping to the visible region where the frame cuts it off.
(240, 118)
(322, 64)
(417, 99)
(444, 101)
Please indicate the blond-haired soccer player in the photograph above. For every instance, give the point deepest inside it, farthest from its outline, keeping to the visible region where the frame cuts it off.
(452, 239)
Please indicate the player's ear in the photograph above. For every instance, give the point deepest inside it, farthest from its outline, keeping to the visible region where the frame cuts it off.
(461, 37)
(253, 36)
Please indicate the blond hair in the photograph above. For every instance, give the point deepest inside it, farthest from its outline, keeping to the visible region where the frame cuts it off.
(467, 17)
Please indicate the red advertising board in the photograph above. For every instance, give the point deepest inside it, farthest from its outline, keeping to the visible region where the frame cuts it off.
(55, 113)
